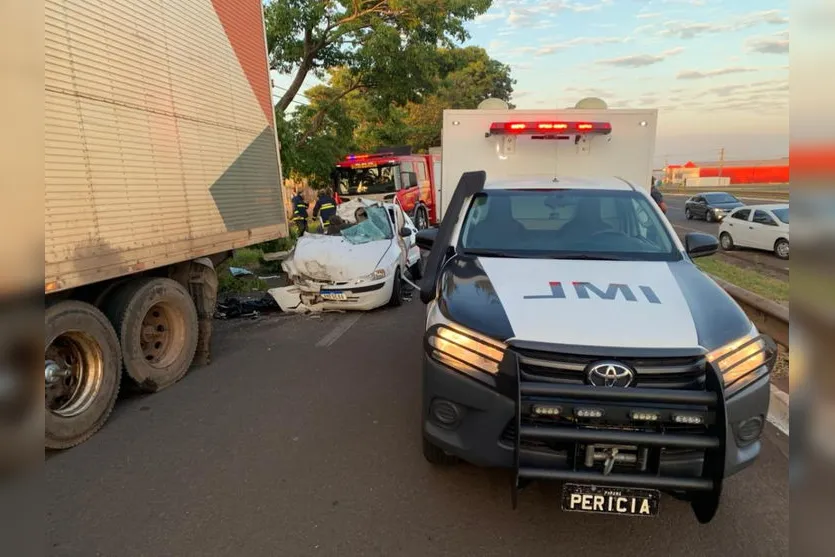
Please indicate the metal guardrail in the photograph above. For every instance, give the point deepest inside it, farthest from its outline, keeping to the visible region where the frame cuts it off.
(770, 317)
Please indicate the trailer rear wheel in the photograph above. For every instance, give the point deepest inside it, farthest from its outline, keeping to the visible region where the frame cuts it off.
(156, 321)
(81, 373)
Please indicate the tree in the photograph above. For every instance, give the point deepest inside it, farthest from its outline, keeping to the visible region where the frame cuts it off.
(342, 117)
(366, 36)
(468, 76)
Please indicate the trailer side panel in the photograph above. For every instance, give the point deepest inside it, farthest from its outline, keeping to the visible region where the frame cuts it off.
(160, 135)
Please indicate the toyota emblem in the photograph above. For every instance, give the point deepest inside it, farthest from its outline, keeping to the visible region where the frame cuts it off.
(610, 374)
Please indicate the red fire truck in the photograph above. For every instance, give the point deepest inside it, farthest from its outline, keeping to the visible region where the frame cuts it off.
(395, 175)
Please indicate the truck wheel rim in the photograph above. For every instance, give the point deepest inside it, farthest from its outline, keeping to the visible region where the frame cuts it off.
(162, 335)
(73, 373)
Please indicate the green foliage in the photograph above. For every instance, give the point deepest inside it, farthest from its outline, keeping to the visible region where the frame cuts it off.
(391, 67)
(369, 37)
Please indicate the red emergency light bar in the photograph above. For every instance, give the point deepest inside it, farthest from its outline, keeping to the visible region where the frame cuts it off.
(366, 156)
(530, 128)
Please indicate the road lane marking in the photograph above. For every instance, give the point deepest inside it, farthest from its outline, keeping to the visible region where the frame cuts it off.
(340, 329)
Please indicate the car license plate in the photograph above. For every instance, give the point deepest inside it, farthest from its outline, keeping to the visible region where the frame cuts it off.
(334, 295)
(610, 500)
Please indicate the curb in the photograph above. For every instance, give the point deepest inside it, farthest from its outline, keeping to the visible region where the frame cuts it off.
(778, 410)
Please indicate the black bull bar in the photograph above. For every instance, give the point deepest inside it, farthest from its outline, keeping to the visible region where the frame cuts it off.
(703, 492)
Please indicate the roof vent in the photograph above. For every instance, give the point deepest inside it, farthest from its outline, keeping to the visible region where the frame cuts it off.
(493, 104)
(592, 103)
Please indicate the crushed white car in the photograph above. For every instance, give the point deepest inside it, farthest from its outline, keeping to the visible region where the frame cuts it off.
(362, 267)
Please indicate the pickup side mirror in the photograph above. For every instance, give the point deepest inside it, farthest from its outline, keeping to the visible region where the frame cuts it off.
(405, 232)
(426, 238)
(699, 244)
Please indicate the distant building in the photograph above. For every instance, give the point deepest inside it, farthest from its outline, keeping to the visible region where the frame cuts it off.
(719, 173)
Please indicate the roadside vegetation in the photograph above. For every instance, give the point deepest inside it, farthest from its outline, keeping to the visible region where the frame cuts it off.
(252, 259)
(758, 283)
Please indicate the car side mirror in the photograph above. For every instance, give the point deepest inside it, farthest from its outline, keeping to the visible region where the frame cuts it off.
(699, 244)
(405, 232)
(426, 238)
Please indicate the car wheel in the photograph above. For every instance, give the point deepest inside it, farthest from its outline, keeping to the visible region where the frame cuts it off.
(781, 248)
(726, 241)
(436, 455)
(396, 290)
(688, 214)
(709, 216)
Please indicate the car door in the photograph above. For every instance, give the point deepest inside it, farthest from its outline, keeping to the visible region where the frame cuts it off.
(737, 226)
(699, 208)
(764, 230)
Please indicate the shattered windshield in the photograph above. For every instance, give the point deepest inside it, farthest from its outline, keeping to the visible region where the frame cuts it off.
(374, 226)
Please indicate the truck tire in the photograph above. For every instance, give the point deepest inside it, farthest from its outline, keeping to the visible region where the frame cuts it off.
(436, 455)
(156, 322)
(82, 371)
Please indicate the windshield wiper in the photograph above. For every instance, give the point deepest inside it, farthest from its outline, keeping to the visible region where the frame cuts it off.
(584, 256)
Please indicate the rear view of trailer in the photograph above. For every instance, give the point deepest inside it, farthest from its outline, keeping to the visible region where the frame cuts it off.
(160, 135)
(161, 155)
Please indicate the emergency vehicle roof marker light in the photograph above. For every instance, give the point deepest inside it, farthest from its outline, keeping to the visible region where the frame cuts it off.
(366, 156)
(530, 128)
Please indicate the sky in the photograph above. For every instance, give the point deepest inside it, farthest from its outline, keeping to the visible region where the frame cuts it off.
(716, 70)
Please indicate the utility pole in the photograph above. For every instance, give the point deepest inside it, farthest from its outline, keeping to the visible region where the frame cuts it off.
(721, 161)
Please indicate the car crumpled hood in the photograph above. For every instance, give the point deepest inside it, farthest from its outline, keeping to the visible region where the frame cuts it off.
(333, 259)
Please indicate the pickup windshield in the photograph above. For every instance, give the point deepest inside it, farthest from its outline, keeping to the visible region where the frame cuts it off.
(566, 224)
(368, 181)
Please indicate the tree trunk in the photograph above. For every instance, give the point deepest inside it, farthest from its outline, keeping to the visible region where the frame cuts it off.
(295, 85)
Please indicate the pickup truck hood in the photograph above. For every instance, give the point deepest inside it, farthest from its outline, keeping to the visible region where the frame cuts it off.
(333, 259)
(626, 304)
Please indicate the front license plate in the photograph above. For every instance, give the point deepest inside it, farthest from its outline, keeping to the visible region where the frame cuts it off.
(610, 500)
(333, 295)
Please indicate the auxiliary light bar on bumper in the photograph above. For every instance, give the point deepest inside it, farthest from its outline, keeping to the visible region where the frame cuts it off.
(645, 422)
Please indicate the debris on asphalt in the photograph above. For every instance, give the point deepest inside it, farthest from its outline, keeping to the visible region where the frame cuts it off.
(247, 308)
(240, 272)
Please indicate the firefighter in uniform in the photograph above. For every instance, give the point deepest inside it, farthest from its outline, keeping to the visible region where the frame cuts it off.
(325, 207)
(299, 213)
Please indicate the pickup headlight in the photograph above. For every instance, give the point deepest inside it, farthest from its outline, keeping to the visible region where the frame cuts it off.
(742, 361)
(465, 350)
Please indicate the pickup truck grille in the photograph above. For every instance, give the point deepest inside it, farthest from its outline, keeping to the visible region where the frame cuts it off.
(652, 373)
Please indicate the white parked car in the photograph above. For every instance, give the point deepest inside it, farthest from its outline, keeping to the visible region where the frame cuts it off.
(361, 267)
(764, 227)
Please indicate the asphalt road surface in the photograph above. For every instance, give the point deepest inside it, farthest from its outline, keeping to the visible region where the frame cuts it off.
(303, 438)
(768, 261)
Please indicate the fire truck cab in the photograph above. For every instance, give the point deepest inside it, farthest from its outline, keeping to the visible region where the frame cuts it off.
(394, 175)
